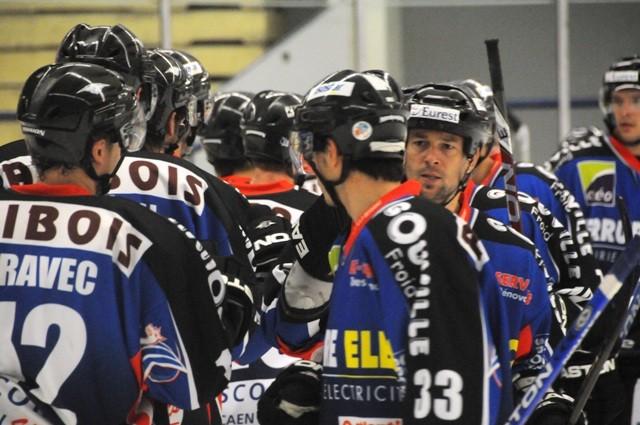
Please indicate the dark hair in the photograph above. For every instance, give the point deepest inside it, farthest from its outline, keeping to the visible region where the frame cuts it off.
(272, 166)
(386, 169)
(228, 167)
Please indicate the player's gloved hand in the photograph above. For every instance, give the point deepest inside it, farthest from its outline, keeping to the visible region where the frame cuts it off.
(270, 234)
(242, 296)
(294, 397)
(308, 285)
(555, 409)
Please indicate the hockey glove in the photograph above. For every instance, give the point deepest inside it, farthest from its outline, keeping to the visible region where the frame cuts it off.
(554, 409)
(308, 286)
(270, 234)
(242, 295)
(294, 397)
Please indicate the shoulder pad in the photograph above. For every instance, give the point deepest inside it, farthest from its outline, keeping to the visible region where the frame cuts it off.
(581, 142)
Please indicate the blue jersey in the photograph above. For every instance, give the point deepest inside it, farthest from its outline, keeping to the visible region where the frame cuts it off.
(103, 303)
(575, 263)
(524, 282)
(210, 209)
(597, 168)
(411, 336)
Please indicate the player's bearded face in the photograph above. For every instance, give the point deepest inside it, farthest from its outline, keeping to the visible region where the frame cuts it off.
(437, 160)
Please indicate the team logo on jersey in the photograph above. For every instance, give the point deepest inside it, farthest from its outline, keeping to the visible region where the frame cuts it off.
(598, 179)
(161, 362)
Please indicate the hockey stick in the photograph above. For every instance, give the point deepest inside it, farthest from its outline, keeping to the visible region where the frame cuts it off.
(623, 319)
(611, 284)
(504, 134)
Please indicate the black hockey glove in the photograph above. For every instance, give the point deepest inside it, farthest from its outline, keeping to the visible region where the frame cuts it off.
(294, 397)
(308, 286)
(242, 296)
(554, 409)
(313, 236)
(270, 234)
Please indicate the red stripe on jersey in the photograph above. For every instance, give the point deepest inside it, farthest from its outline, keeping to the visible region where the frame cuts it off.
(525, 342)
(625, 154)
(465, 201)
(408, 188)
(304, 354)
(44, 189)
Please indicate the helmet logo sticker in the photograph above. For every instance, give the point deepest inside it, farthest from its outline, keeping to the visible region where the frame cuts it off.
(340, 88)
(361, 130)
(32, 130)
(598, 179)
(435, 113)
(621, 77)
(94, 88)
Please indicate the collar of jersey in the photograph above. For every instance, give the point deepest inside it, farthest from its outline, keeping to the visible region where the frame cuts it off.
(495, 170)
(405, 190)
(465, 201)
(252, 189)
(624, 154)
(44, 189)
(234, 180)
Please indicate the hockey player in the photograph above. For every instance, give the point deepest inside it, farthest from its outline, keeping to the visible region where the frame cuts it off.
(441, 154)
(201, 94)
(114, 47)
(393, 350)
(105, 306)
(222, 138)
(265, 125)
(597, 166)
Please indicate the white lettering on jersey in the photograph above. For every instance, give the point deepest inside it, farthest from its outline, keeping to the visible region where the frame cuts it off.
(58, 225)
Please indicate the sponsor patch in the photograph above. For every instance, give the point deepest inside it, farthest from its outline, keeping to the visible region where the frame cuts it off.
(361, 130)
(598, 180)
(621, 77)
(435, 113)
(354, 420)
(339, 88)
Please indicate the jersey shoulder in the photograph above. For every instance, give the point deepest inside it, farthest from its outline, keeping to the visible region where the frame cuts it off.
(581, 143)
(490, 229)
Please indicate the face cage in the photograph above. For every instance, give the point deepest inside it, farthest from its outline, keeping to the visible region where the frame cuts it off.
(149, 98)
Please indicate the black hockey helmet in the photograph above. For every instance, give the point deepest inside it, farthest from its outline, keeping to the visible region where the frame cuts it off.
(221, 137)
(116, 48)
(63, 107)
(200, 86)
(452, 107)
(266, 126)
(174, 92)
(362, 112)
(622, 74)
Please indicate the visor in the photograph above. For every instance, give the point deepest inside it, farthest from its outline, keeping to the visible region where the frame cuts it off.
(132, 133)
(302, 143)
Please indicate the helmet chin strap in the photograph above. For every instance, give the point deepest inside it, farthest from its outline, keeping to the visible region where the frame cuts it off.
(461, 186)
(330, 186)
